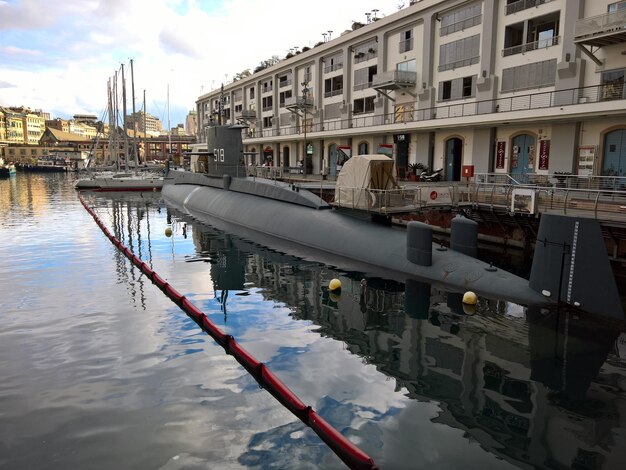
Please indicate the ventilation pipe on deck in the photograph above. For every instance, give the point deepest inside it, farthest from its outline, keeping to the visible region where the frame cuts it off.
(419, 243)
(464, 236)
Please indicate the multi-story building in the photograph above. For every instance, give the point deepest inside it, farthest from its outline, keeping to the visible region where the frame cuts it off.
(144, 122)
(14, 126)
(191, 123)
(519, 87)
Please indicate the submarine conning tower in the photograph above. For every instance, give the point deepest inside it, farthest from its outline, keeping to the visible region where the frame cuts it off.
(225, 150)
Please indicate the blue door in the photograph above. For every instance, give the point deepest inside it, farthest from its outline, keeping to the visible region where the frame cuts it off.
(332, 160)
(454, 156)
(523, 155)
(614, 161)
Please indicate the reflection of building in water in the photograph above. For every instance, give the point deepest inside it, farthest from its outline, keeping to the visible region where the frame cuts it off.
(536, 391)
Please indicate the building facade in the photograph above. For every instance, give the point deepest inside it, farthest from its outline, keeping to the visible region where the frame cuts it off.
(518, 87)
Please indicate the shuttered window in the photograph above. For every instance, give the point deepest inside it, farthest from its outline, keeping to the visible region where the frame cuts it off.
(523, 77)
(459, 53)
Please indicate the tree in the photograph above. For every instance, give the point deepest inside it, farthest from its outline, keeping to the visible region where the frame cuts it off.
(242, 75)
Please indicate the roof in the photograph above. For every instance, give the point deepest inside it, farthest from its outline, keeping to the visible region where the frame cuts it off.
(66, 136)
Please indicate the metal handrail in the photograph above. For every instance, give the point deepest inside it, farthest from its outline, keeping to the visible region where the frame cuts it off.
(541, 100)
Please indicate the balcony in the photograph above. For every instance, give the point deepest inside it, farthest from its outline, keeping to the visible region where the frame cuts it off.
(598, 31)
(394, 80)
(248, 114)
(601, 30)
(284, 83)
(531, 46)
(520, 5)
(333, 67)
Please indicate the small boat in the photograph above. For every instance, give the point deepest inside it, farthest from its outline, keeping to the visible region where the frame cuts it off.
(6, 169)
(48, 164)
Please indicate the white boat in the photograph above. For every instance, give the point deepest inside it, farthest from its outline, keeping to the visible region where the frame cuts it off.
(121, 181)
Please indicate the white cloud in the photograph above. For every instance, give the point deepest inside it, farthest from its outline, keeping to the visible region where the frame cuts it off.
(192, 45)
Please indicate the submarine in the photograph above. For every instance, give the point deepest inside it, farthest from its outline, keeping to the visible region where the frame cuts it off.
(216, 190)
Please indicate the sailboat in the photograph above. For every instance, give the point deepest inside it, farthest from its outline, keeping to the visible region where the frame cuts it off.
(122, 180)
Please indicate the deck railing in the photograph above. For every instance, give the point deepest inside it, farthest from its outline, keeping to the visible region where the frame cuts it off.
(530, 101)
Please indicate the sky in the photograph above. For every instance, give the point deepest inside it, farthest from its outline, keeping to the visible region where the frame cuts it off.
(57, 55)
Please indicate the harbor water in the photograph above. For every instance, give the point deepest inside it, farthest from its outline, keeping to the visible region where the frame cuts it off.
(100, 370)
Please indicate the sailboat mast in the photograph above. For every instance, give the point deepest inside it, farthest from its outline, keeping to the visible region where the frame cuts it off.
(169, 127)
(145, 135)
(124, 118)
(132, 84)
(111, 112)
(116, 114)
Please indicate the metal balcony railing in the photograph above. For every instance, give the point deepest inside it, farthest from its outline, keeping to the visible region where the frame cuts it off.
(460, 25)
(601, 24)
(406, 45)
(333, 67)
(534, 101)
(328, 94)
(531, 46)
(395, 76)
(523, 5)
(284, 83)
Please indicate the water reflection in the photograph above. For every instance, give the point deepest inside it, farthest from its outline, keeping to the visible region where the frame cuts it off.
(533, 386)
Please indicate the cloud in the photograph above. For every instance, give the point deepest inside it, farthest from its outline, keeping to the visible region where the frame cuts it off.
(58, 54)
(177, 43)
(4, 84)
(18, 51)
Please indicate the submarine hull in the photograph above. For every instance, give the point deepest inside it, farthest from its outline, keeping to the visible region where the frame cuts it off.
(339, 240)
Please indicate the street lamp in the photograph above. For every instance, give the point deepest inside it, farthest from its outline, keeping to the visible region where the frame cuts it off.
(305, 94)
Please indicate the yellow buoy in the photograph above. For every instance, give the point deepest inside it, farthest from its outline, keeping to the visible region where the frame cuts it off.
(334, 285)
(469, 298)
(168, 232)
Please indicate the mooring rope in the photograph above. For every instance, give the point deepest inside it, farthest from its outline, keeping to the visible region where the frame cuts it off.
(349, 453)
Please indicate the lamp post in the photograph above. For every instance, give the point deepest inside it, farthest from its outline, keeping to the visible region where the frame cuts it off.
(305, 94)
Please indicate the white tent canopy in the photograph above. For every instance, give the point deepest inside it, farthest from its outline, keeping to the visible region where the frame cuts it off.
(361, 177)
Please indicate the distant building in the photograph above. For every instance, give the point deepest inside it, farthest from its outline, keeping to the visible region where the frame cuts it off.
(191, 123)
(178, 130)
(153, 125)
(58, 124)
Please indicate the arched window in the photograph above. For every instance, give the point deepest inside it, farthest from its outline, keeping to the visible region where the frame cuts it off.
(363, 148)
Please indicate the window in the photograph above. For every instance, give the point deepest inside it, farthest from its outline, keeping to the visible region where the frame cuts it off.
(333, 63)
(363, 105)
(267, 103)
(363, 148)
(460, 19)
(307, 74)
(283, 97)
(267, 86)
(238, 108)
(251, 93)
(284, 81)
(363, 77)
(237, 95)
(459, 53)
(457, 89)
(333, 86)
(613, 7)
(528, 76)
(267, 121)
(406, 41)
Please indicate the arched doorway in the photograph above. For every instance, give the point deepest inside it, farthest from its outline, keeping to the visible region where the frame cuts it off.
(332, 160)
(286, 162)
(363, 148)
(522, 155)
(614, 158)
(454, 157)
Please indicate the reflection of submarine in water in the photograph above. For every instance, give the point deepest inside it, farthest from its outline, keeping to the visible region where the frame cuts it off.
(515, 390)
(296, 221)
